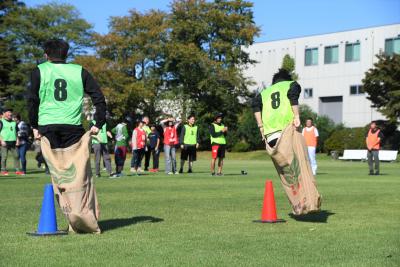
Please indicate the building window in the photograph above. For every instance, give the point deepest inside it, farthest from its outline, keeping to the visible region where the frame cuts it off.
(311, 56)
(392, 46)
(356, 90)
(352, 52)
(331, 54)
(308, 93)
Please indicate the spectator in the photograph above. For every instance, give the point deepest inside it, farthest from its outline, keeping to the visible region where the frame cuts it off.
(373, 140)
(170, 141)
(9, 141)
(218, 133)
(147, 152)
(139, 140)
(189, 140)
(23, 141)
(310, 133)
(154, 140)
(100, 149)
(121, 137)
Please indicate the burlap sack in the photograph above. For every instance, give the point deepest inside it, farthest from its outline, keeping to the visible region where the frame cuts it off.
(292, 164)
(73, 185)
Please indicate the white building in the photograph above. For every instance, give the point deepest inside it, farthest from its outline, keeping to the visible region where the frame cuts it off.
(330, 68)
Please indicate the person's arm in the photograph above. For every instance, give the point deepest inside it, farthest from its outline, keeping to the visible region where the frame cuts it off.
(133, 140)
(162, 123)
(182, 136)
(213, 133)
(158, 142)
(293, 95)
(33, 101)
(92, 88)
(257, 108)
(198, 138)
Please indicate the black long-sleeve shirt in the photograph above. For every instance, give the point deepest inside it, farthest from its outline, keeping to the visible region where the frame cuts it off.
(90, 87)
(293, 95)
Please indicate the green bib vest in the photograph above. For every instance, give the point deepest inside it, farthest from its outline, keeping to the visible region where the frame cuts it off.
(102, 135)
(60, 93)
(221, 139)
(190, 137)
(276, 112)
(9, 130)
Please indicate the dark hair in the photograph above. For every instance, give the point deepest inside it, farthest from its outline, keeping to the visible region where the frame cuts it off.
(191, 116)
(17, 116)
(309, 118)
(56, 49)
(282, 75)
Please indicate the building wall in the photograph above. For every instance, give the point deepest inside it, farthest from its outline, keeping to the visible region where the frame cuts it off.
(326, 79)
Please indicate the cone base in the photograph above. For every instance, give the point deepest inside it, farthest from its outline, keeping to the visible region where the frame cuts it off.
(275, 221)
(47, 234)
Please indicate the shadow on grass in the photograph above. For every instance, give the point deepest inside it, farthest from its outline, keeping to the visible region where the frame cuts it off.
(318, 217)
(111, 224)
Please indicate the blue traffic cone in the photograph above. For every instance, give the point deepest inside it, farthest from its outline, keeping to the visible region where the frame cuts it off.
(48, 221)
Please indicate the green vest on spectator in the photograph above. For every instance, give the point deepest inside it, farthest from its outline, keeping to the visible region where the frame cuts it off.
(220, 139)
(9, 130)
(190, 137)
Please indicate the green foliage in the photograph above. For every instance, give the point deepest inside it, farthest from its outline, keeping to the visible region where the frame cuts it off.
(382, 83)
(241, 147)
(25, 31)
(289, 64)
(248, 130)
(347, 138)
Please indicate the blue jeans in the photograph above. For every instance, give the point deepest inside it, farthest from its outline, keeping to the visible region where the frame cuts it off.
(22, 155)
(170, 159)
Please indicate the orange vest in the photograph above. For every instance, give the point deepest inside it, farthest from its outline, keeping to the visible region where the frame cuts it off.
(311, 139)
(373, 141)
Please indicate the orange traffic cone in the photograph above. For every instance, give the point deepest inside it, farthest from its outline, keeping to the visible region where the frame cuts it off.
(268, 214)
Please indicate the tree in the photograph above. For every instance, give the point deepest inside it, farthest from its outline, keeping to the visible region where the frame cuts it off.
(8, 51)
(26, 30)
(382, 83)
(132, 54)
(205, 56)
(289, 64)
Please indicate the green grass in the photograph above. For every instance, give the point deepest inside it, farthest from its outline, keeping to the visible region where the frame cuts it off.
(199, 220)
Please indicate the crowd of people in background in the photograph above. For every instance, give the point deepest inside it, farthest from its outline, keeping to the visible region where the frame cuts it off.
(146, 141)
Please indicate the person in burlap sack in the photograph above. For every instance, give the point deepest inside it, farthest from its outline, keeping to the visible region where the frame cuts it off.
(277, 115)
(55, 98)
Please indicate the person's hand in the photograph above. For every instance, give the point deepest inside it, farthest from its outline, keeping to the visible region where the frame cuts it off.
(156, 150)
(36, 135)
(262, 134)
(94, 130)
(3, 143)
(182, 146)
(17, 142)
(296, 121)
(197, 145)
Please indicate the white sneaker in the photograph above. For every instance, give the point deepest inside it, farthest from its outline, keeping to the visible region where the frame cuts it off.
(176, 172)
(170, 173)
(133, 169)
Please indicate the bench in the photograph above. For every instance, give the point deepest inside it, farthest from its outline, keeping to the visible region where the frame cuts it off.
(387, 155)
(354, 154)
(361, 154)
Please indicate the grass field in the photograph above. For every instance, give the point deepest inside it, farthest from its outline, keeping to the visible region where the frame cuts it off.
(199, 220)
